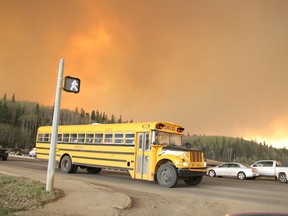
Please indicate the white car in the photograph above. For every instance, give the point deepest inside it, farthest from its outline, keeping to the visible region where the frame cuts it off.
(231, 169)
(32, 153)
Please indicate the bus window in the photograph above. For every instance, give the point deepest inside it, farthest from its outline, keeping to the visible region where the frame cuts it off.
(108, 138)
(81, 138)
(73, 138)
(89, 138)
(46, 137)
(118, 139)
(140, 141)
(40, 137)
(147, 146)
(130, 138)
(169, 139)
(65, 137)
(98, 138)
(60, 136)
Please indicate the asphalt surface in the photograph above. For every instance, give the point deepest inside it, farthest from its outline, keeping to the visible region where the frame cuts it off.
(81, 198)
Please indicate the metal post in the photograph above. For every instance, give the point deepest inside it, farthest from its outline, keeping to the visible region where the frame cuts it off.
(52, 156)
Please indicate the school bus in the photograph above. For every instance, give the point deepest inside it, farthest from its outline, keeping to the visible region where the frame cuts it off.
(149, 151)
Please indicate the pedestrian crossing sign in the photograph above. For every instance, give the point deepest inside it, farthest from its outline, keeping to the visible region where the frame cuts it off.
(72, 84)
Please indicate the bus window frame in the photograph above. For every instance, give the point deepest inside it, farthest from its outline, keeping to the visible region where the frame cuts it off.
(46, 137)
(40, 137)
(130, 138)
(98, 139)
(81, 137)
(116, 138)
(108, 140)
(60, 135)
(66, 137)
(89, 138)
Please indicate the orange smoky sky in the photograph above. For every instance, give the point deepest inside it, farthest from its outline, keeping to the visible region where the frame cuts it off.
(214, 67)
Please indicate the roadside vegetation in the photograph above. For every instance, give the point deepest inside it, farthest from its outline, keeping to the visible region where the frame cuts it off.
(19, 194)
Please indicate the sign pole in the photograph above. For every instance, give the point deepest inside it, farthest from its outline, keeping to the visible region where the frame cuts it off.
(52, 156)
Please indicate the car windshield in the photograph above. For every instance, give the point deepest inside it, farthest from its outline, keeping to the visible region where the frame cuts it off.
(169, 139)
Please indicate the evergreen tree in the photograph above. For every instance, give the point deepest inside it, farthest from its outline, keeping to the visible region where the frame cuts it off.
(112, 119)
(13, 98)
(93, 116)
(120, 119)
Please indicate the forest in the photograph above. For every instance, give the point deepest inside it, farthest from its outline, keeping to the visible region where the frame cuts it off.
(19, 122)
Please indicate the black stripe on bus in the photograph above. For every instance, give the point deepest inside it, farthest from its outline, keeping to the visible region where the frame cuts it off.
(94, 151)
(104, 159)
(90, 144)
(42, 153)
(104, 167)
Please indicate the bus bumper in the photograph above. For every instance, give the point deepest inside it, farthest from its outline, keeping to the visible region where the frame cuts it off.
(187, 173)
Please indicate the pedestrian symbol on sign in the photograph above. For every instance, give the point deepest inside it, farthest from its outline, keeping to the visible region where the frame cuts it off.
(72, 84)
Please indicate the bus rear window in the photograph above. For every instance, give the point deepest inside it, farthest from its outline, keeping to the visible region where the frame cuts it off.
(40, 137)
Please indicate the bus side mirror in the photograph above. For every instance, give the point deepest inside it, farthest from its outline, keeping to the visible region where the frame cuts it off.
(155, 142)
(188, 145)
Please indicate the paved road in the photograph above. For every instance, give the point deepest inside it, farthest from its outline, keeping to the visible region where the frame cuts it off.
(220, 194)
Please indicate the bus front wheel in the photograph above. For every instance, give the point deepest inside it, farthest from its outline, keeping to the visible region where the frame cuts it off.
(67, 166)
(167, 176)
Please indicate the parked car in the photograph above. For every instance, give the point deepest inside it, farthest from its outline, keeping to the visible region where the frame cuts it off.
(231, 169)
(271, 168)
(3, 154)
(32, 153)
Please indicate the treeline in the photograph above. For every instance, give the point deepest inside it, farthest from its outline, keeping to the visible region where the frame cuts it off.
(19, 121)
(225, 149)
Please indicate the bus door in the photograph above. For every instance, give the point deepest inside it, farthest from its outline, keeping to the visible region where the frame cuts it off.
(142, 156)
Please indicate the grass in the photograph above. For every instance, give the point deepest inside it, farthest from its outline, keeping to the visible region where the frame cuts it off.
(19, 194)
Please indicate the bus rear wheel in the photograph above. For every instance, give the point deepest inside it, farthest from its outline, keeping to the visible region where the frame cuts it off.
(167, 176)
(67, 166)
(93, 170)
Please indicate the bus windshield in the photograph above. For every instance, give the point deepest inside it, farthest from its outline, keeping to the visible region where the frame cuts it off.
(169, 139)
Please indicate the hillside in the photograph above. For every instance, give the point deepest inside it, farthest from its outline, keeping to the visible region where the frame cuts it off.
(235, 149)
(19, 121)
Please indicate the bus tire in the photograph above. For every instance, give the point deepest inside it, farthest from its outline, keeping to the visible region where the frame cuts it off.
(167, 175)
(66, 165)
(93, 170)
(193, 180)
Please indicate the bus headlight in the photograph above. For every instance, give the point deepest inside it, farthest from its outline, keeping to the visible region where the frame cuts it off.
(185, 164)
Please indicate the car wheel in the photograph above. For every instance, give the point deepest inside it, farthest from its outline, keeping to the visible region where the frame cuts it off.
(167, 176)
(212, 173)
(283, 178)
(241, 176)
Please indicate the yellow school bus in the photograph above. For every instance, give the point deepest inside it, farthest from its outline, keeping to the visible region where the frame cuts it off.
(148, 150)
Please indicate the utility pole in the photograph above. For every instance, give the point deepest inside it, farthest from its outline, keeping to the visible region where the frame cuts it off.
(52, 156)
